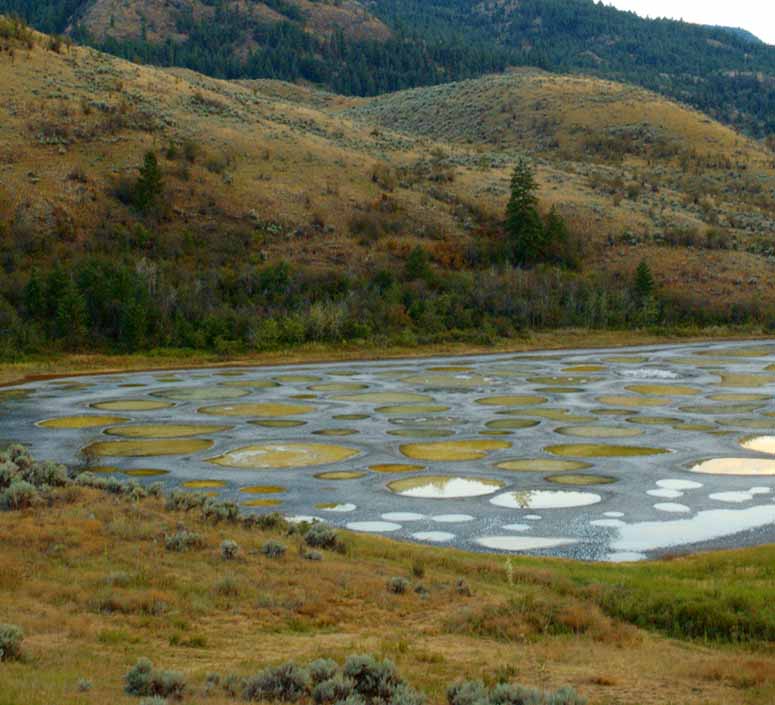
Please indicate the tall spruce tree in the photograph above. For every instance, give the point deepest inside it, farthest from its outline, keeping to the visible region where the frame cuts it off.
(524, 228)
(150, 185)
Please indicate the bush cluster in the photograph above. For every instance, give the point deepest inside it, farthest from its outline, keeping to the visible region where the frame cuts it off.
(320, 535)
(273, 549)
(23, 481)
(182, 540)
(363, 680)
(11, 638)
(475, 693)
(145, 680)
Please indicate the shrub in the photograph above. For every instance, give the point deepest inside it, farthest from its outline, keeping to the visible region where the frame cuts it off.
(273, 549)
(474, 692)
(19, 495)
(333, 690)
(286, 683)
(372, 678)
(229, 550)
(144, 679)
(183, 540)
(321, 536)
(313, 556)
(397, 585)
(154, 700)
(11, 638)
(322, 669)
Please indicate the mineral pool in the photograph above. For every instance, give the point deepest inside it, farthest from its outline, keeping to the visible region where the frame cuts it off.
(614, 455)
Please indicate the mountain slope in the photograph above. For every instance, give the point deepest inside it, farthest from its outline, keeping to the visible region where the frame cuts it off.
(386, 45)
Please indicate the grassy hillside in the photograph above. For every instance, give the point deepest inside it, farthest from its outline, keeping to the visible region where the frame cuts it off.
(96, 581)
(344, 190)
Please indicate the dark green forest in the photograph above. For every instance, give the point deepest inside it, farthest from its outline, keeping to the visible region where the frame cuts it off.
(721, 72)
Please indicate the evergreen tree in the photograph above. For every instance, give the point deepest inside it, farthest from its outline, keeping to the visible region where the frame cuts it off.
(70, 322)
(150, 185)
(643, 284)
(35, 297)
(524, 228)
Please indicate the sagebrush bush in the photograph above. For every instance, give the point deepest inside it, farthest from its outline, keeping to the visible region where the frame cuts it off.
(144, 679)
(286, 683)
(182, 540)
(321, 536)
(333, 690)
(273, 549)
(397, 585)
(11, 638)
(227, 586)
(322, 669)
(372, 678)
(474, 692)
(229, 550)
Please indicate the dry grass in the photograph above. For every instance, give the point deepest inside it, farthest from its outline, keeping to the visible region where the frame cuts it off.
(90, 583)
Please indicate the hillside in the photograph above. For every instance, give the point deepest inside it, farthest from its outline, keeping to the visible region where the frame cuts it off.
(387, 45)
(344, 190)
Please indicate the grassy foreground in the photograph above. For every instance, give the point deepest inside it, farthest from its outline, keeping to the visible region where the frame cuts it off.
(89, 580)
(63, 364)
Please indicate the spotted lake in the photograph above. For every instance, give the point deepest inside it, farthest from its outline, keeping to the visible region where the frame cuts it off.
(599, 455)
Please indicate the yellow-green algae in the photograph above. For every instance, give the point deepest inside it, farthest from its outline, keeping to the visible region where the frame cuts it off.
(204, 484)
(739, 397)
(673, 390)
(262, 503)
(452, 450)
(580, 479)
(278, 423)
(336, 432)
(279, 455)
(263, 489)
(268, 409)
(296, 379)
(395, 468)
(550, 414)
(655, 420)
(602, 450)
(76, 422)
(338, 387)
(542, 465)
(512, 400)
(599, 431)
(386, 398)
(145, 472)
(252, 383)
(341, 475)
(562, 381)
(170, 430)
(422, 432)
(511, 424)
(412, 410)
(211, 393)
(145, 448)
(642, 401)
(585, 368)
(132, 405)
(351, 417)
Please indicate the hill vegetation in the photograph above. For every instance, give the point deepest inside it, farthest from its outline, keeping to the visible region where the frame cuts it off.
(387, 45)
(144, 208)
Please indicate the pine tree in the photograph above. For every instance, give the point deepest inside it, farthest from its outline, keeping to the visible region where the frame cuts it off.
(150, 185)
(524, 228)
(643, 284)
(35, 296)
(70, 322)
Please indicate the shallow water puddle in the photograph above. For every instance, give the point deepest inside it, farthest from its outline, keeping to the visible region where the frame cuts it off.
(263, 489)
(376, 527)
(511, 424)
(267, 410)
(760, 444)
(703, 526)
(296, 379)
(522, 543)
(434, 536)
(545, 499)
(262, 503)
(673, 390)
(403, 516)
(269, 456)
(753, 381)
(753, 467)
(641, 401)
(204, 484)
(278, 423)
(338, 387)
(599, 450)
(336, 432)
(412, 410)
(444, 487)
(145, 472)
(738, 397)
(452, 450)
(422, 432)
(146, 448)
(460, 380)
(251, 383)
(655, 420)
(550, 414)
(343, 508)
(672, 507)
(385, 398)
(77, 422)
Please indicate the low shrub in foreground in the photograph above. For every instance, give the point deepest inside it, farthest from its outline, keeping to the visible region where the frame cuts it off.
(183, 540)
(11, 638)
(273, 549)
(143, 679)
(475, 693)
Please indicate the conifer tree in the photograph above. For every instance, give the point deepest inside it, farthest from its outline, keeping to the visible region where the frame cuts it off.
(150, 186)
(524, 228)
(643, 284)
